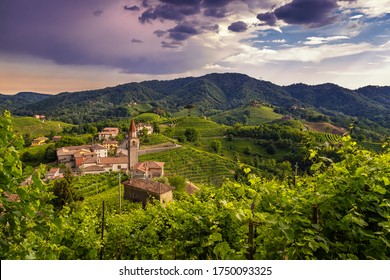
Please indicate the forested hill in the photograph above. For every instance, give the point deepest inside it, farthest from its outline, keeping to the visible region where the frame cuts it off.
(214, 92)
(11, 102)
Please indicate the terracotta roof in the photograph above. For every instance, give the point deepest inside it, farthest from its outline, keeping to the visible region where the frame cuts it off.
(110, 129)
(144, 166)
(110, 142)
(113, 160)
(94, 168)
(91, 160)
(148, 185)
(65, 151)
(97, 147)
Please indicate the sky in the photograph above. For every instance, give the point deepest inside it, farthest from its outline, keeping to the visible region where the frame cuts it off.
(70, 45)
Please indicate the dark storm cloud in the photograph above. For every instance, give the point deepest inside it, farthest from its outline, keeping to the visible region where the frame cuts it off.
(216, 3)
(213, 28)
(132, 8)
(169, 12)
(182, 32)
(312, 13)
(182, 3)
(160, 33)
(216, 12)
(238, 26)
(267, 18)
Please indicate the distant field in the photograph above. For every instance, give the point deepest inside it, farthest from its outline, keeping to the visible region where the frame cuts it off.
(147, 117)
(376, 147)
(205, 127)
(257, 116)
(184, 113)
(326, 127)
(240, 147)
(37, 127)
(140, 108)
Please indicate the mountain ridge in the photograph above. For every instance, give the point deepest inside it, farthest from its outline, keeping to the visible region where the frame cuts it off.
(210, 93)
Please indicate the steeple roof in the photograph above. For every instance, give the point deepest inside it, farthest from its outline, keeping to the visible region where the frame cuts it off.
(132, 126)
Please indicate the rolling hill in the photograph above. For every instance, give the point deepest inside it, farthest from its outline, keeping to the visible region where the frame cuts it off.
(211, 94)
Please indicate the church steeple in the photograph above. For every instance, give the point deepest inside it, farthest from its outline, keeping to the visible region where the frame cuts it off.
(132, 146)
(132, 130)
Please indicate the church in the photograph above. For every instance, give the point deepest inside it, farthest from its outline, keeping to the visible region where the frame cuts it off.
(139, 188)
(95, 164)
(142, 170)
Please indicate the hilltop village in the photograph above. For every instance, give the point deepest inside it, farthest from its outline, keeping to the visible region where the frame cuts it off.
(95, 159)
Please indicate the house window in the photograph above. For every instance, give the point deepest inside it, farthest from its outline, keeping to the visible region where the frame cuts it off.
(119, 167)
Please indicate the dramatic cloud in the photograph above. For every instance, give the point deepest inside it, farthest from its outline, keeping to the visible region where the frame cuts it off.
(312, 13)
(182, 32)
(216, 12)
(268, 18)
(170, 38)
(132, 8)
(238, 26)
(169, 12)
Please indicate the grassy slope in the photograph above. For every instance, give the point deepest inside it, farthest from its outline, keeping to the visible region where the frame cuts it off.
(258, 116)
(205, 127)
(36, 127)
(326, 127)
(237, 147)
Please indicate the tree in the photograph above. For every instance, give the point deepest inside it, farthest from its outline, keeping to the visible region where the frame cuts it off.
(178, 182)
(64, 191)
(191, 134)
(216, 145)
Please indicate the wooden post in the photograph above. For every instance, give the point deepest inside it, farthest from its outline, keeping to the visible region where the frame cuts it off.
(102, 236)
(119, 188)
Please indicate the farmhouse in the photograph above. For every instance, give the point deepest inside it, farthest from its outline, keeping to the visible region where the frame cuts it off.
(108, 133)
(141, 190)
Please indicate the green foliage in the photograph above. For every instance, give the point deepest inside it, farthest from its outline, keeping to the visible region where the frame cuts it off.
(36, 128)
(178, 182)
(216, 146)
(206, 128)
(198, 166)
(34, 156)
(74, 140)
(247, 115)
(191, 134)
(64, 191)
(341, 211)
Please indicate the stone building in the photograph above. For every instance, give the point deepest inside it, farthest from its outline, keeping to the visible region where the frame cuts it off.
(141, 190)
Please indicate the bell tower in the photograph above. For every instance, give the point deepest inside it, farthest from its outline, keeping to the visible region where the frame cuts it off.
(132, 147)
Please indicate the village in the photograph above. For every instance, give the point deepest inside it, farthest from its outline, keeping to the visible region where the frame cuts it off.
(110, 156)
